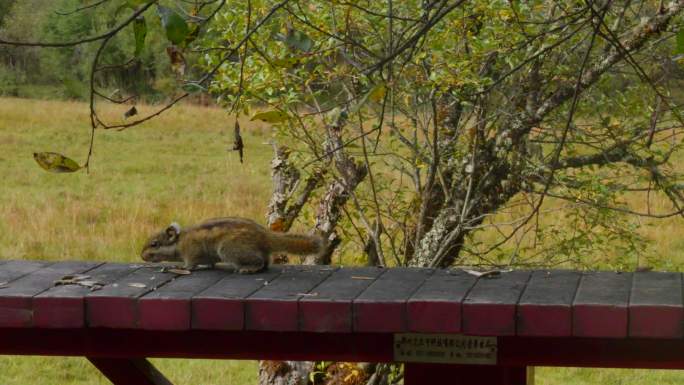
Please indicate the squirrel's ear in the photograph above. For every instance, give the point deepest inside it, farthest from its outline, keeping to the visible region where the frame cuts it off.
(173, 230)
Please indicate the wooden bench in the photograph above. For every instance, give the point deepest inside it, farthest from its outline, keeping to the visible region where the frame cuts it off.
(447, 326)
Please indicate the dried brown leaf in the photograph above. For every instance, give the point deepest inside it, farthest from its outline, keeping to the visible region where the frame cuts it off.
(179, 271)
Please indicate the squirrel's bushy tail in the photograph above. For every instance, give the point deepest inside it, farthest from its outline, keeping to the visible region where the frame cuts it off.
(296, 243)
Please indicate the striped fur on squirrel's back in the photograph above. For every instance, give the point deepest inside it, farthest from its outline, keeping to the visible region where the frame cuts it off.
(239, 243)
(295, 243)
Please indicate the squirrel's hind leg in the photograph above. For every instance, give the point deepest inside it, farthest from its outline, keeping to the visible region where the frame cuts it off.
(246, 259)
(250, 269)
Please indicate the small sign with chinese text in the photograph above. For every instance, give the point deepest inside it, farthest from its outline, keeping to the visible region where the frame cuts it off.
(445, 348)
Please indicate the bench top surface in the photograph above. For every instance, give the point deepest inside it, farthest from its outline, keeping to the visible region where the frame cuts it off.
(327, 299)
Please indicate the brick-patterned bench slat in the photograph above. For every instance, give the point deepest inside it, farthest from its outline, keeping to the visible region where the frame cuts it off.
(169, 307)
(436, 306)
(489, 308)
(382, 307)
(600, 306)
(222, 305)
(324, 299)
(115, 306)
(548, 296)
(328, 308)
(655, 305)
(275, 306)
(16, 300)
(11, 270)
(63, 306)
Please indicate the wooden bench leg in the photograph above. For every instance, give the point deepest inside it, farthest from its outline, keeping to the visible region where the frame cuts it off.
(419, 374)
(129, 371)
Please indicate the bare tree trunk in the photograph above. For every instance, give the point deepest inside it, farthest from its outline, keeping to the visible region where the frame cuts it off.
(283, 210)
(338, 191)
(285, 372)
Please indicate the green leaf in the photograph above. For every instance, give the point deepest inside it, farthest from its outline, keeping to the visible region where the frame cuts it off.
(176, 28)
(54, 162)
(135, 3)
(287, 62)
(680, 41)
(193, 32)
(299, 40)
(274, 116)
(140, 31)
(193, 88)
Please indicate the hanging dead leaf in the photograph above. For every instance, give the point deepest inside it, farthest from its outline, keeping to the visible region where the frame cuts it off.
(54, 162)
(177, 60)
(238, 145)
(131, 112)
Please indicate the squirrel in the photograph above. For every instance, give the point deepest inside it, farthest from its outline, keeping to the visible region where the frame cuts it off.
(240, 244)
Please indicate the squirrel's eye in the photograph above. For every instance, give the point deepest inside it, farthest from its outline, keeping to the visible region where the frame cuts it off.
(154, 244)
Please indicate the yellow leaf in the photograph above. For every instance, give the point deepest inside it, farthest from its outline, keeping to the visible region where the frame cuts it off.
(274, 116)
(613, 122)
(378, 93)
(287, 62)
(54, 162)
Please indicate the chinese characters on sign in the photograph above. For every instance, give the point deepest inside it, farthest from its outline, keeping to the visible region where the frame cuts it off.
(445, 348)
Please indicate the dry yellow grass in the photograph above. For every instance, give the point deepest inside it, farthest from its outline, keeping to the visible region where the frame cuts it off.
(176, 167)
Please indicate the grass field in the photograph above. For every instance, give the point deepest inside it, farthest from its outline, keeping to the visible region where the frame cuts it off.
(174, 168)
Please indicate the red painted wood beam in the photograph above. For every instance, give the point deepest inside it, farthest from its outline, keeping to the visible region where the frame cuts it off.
(646, 353)
(129, 371)
(417, 374)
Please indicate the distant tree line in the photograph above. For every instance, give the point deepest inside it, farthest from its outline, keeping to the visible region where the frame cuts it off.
(64, 72)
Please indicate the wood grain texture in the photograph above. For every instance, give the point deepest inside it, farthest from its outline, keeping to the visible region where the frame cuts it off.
(655, 305)
(489, 308)
(115, 306)
(64, 306)
(368, 347)
(418, 374)
(436, 306)
(600, 305)
(11, 270)
(16, 300)
(169, 307)
(222, 305)
(328, 308)
(325, 300)
(275, 307)
(382, 306)
(545, 307)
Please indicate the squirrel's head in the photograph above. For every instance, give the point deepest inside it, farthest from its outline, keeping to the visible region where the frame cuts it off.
(162, 246)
